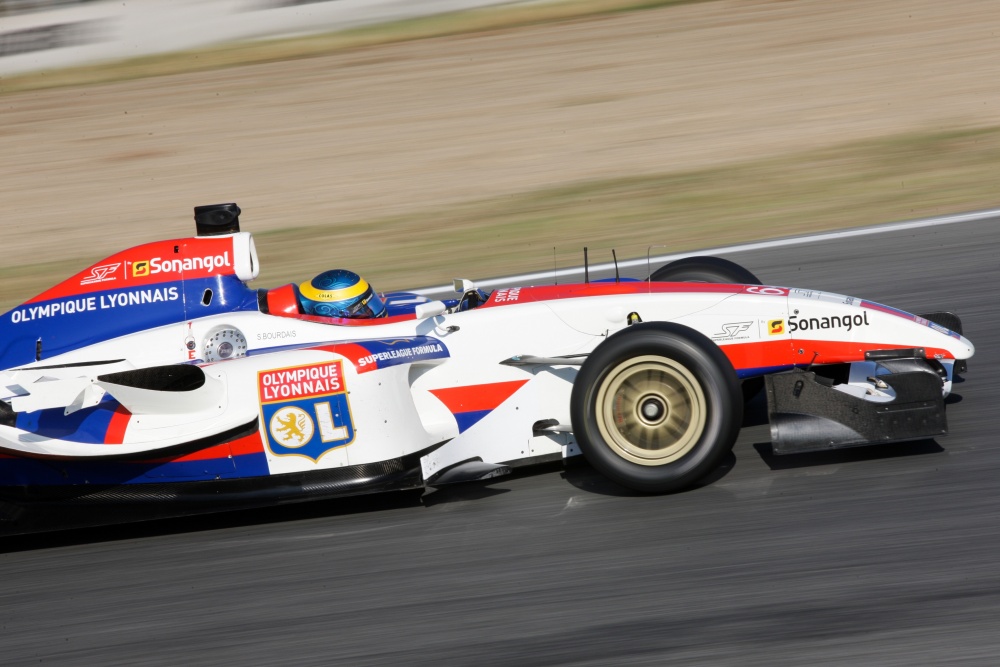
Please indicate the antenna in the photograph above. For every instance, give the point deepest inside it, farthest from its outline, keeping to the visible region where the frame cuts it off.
(586, 267)
(812, 361)
(615, 258)
(555, 268)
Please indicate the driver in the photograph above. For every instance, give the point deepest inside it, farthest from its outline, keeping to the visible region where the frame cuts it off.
(340, 293)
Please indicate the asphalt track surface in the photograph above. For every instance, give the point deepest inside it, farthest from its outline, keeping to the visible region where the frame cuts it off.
(883, 555)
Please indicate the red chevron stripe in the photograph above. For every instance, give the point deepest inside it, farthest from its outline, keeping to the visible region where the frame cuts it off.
(477, 397)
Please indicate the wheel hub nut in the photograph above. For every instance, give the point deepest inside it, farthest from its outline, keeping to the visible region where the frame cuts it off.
(653, 409)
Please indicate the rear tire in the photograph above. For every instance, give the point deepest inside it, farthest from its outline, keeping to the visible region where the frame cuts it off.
(656, 407)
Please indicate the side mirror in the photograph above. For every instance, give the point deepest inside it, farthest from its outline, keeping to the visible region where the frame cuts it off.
(462, 285)
(430, 309)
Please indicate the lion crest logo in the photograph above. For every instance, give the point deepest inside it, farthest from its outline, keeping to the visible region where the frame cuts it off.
(291, 426)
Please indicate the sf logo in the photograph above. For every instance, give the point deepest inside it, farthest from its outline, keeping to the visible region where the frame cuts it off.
(732, 330)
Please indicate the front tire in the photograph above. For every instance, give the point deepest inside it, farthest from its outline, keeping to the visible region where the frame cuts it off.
(704, 270)
(656, 407)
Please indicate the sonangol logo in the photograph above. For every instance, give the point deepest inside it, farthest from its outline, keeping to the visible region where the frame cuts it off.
(154, 265)
(775, 327)
(291, 426)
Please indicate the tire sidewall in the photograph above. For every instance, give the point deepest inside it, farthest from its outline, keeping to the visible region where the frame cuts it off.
(712, 370)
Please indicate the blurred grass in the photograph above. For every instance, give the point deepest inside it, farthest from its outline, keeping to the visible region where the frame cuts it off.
(855, 184)
(231, 55)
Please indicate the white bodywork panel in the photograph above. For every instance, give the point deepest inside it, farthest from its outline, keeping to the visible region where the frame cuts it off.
(393, 411)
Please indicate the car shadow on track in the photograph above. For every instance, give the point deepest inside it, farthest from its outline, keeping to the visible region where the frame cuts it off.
(463, 492)
(576, 471)
(414, 498)
(835, 456)
(580, 474)
(208, 522)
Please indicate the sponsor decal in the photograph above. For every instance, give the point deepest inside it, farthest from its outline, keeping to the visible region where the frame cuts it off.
(507, 295)
(430, 350)
(937, 327)
(373, 355)
(101, 274)
(150, 267)
(304, 409)
(775, 327)
(940, 329)
(770, 291)
(734, 331)
(84, 304)
(292, 425)
(301, 382)
(824, 296)
(276, 335)
(847, 322)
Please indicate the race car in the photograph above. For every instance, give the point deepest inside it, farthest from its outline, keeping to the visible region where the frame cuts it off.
(158, 383)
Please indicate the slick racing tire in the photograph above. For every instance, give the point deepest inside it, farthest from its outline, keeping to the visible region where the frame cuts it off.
(656, 407)
(712, 270)
(704, 270)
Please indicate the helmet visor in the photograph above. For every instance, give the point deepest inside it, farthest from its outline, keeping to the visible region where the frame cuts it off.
(368, 306)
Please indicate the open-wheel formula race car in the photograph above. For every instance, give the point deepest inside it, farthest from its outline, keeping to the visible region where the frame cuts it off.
(157, 383)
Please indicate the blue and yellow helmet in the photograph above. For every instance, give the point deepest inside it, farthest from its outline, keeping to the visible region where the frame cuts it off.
(340, 293)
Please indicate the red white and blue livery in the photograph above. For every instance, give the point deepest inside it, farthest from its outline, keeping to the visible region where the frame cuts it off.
(158, 383)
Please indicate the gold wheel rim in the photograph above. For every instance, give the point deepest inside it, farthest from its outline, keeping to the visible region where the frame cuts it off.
(651, 410)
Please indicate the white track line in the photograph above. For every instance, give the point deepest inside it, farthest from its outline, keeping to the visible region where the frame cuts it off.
(743, 247)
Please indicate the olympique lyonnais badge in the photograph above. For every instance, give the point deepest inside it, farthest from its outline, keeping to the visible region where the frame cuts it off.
(304, 409)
